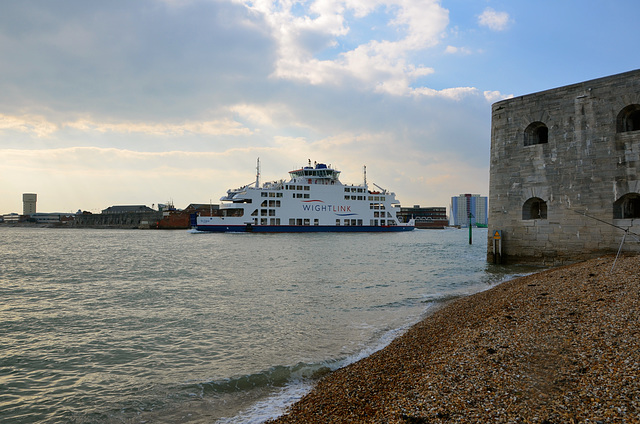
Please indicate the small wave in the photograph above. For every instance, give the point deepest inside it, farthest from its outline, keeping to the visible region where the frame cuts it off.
(278, 376)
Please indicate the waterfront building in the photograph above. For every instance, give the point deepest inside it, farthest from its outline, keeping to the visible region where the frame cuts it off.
(565, 172)
(464, 204)
(128, 209)
(425, 217)
(29, 203)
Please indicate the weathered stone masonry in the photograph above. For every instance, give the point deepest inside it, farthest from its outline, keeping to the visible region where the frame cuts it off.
(558, 155)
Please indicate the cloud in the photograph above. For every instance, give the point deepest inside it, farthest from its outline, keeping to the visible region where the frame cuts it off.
(457, 93)
(494, 96)
(378, 64)
(495, 21)
(37, 125)
(457, 50)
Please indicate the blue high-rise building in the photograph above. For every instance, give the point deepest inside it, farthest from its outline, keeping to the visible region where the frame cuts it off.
(464, 204)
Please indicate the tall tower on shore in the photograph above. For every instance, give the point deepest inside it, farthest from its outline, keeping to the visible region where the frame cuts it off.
(29, 203)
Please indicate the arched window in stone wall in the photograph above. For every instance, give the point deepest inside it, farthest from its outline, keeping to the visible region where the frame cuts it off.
(628, 119)
(536, 133)
(627, 206)
(534, 208)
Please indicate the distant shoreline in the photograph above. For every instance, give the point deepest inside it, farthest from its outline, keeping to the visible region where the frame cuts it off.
(560, 345)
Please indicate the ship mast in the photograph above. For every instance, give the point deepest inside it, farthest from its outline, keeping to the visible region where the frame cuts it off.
(258, 174)
(364, 170)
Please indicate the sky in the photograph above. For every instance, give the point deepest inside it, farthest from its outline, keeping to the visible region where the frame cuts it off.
(154, 101)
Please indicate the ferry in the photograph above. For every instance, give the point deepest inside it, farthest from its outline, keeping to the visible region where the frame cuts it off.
(312, 200)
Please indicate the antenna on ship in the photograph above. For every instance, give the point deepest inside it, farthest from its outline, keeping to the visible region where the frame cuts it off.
(364, 170)
(258, 174)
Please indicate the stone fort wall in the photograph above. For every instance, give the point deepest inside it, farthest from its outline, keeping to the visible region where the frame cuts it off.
(565, 172)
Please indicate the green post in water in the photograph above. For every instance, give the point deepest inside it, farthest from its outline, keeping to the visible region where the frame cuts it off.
(470, 216)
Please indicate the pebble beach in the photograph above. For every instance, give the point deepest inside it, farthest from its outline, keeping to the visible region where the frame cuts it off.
(558, 346)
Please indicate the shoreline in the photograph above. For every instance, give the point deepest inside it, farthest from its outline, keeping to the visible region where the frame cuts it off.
(560, 345)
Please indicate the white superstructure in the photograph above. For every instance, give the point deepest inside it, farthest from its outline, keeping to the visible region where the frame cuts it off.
(312, 200)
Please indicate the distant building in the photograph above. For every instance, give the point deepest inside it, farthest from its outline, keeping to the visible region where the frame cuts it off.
(51, 218)
(431, 217)
(128, 209)
(11, 218)
(29, 203)
(464, 204)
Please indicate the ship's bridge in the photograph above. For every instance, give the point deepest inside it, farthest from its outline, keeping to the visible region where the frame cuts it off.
(318, 172)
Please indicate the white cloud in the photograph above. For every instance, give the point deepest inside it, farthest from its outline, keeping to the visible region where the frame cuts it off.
(379, 64)
(42, 127)
(494, 96)
(496, 21)
(36, 125)
(457, 50)
(449, 93)
(216, 127)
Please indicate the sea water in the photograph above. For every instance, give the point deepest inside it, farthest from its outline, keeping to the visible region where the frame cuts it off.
(135, 326)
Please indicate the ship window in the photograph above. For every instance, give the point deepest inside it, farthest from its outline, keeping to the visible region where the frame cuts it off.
(316, 222)
(306, 195)
(346, 222)
(263, 212)
(292, 221)
(272, 212)
(263, 194)
(346, 189)
(627, 207)
(346, 197)
(307, 188)
(254, 213)
(307, 221)
(263, 204)
(298, 221)
(298, 187)
(536, 133)
(534, 208)
(354, 222)
(272, 194)
(360, 223)
(338, 222)
(278, 194)
(628, 119)
(263, 221)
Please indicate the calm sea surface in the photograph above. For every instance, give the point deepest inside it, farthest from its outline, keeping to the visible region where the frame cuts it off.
(133, 326)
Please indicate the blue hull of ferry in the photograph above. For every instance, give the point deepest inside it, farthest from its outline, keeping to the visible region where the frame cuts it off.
(300, 229)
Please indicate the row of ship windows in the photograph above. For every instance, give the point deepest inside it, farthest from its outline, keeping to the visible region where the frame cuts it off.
(307, 222)
(306, 195)
(272, 212)
(277, 204)
(369, 198)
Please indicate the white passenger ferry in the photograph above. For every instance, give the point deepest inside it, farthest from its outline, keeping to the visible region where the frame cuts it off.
(312, 200)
